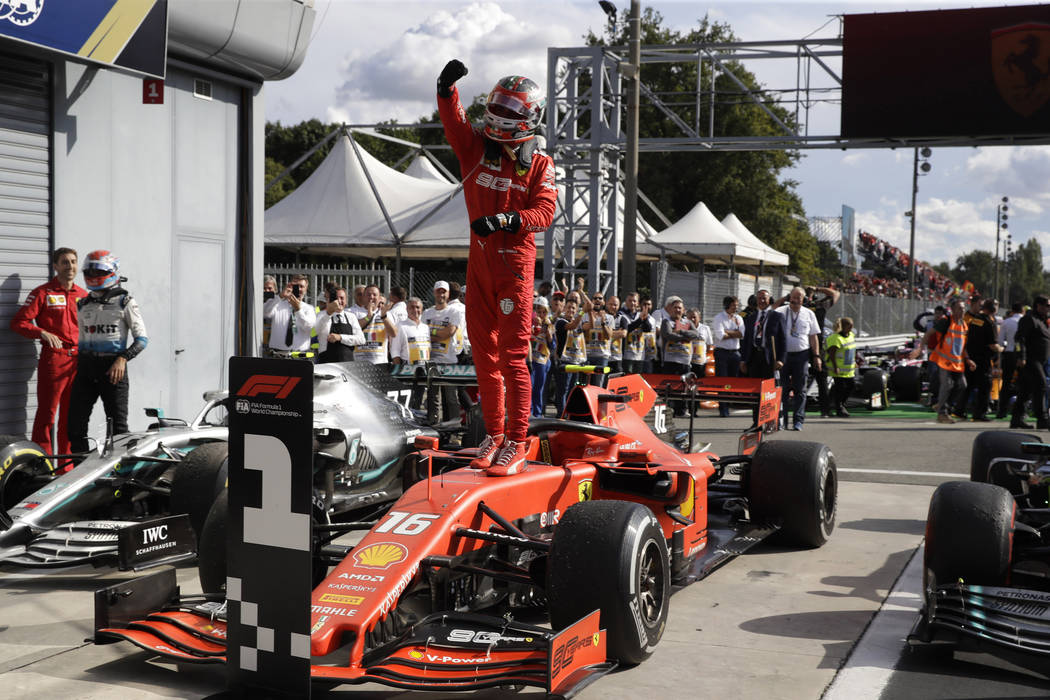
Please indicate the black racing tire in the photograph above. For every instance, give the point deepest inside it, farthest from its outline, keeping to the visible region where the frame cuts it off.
(875, 381)
(906, 382)
(596, 547)
(21, 463)
(474, 431)
(199, 478)
(211, 548)
(995, 444)
(796, 485)
(969, 529)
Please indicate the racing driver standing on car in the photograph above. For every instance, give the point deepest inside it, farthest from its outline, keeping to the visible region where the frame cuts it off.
(508, 184)
(105, 316)
(50, 315)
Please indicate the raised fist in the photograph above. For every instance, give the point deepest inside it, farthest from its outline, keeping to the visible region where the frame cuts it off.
(453, 71)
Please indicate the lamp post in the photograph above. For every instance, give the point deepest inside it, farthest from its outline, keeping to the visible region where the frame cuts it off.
(1006, 272)
(925, 168)
(1000, 225)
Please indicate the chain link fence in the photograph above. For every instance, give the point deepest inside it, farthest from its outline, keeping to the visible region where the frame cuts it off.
(707, 292)
(320, 275)
(873, 315)
(420, 283)
(878, 315)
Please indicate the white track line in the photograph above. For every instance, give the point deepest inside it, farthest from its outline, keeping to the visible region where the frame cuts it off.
(898, 472)
(869, 666)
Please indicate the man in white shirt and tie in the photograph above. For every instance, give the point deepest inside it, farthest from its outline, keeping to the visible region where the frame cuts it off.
(803, 346)
(291, 319)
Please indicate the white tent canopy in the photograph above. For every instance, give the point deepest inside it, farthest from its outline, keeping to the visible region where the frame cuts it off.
(337, 210)
(699, 234)
(422, 168)
(736, 226)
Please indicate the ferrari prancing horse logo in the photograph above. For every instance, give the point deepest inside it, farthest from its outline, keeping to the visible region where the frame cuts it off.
(1021, 66)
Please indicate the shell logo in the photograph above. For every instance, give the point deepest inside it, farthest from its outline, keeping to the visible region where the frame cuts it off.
(380, 555)
(416, 654)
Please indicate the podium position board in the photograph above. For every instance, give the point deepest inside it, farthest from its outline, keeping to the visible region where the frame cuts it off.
(268, 582)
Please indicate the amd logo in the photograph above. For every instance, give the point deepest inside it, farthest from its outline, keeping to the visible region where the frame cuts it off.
(155, 534)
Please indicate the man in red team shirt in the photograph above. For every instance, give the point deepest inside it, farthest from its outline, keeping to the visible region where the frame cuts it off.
(510, 194)
(53, 307)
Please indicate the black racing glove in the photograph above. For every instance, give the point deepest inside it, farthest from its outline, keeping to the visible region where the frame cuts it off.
(453, 71)
(509, 221)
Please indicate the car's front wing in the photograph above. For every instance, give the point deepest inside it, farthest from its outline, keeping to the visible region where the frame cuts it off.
(444, 651)
(968, 616)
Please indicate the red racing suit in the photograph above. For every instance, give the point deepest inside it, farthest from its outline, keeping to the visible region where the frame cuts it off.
(501, 267)
(54, 308)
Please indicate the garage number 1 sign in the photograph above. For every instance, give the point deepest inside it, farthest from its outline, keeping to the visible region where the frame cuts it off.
(268, 540)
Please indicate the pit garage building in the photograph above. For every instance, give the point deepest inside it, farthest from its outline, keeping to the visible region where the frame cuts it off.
(148, 144)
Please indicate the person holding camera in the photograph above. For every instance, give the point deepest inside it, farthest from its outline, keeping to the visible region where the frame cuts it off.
(291, 319)
(338, 331)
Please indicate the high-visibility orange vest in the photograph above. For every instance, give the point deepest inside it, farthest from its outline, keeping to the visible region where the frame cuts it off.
(949, 353)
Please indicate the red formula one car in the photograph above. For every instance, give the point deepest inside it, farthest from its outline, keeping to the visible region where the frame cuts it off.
(454, 586)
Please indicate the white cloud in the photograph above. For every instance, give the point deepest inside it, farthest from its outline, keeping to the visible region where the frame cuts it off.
(1020, 172)
(397, 80)
(854, 159)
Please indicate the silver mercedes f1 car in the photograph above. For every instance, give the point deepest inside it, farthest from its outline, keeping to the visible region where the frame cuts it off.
(141, 499)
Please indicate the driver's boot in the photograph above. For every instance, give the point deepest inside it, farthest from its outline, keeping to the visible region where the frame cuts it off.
(486, 452)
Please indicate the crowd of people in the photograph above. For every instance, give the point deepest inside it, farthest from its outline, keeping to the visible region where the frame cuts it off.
(575, 337)
(968, 346)
(890, 274)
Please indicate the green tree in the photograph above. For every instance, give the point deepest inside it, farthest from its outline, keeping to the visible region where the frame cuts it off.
(978, 267)
(1026, 273)
(747, 183)
(286, 144)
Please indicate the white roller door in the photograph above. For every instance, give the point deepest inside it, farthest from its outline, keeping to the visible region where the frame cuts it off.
(25, 224)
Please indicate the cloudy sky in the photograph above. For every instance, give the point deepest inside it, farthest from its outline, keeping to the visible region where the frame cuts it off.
(373, 61)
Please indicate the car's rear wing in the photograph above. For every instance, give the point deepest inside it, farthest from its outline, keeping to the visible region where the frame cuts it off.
(743, 391)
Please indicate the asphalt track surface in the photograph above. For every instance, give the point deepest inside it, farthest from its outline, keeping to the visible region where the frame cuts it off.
(773, 623)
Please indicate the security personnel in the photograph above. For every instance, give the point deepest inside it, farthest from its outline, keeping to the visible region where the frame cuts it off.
(947, 338)
(983, 348)
(50, 316)
(841, 350)
(1033, 351)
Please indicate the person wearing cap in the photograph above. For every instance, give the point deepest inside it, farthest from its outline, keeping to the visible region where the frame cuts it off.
(105, 318)
(49, 315)
(543, 348)
(445, 321)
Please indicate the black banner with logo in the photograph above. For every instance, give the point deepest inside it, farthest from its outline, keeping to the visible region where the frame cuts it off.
(268, 540)
(972, 72)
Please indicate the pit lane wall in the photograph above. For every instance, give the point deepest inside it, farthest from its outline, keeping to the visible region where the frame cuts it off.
(170, 179)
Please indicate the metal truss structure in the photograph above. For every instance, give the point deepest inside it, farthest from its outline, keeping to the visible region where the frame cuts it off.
(586, 115)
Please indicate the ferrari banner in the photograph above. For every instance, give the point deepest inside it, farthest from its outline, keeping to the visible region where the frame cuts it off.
(130, 34)
(269, 582)
(947, 73)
